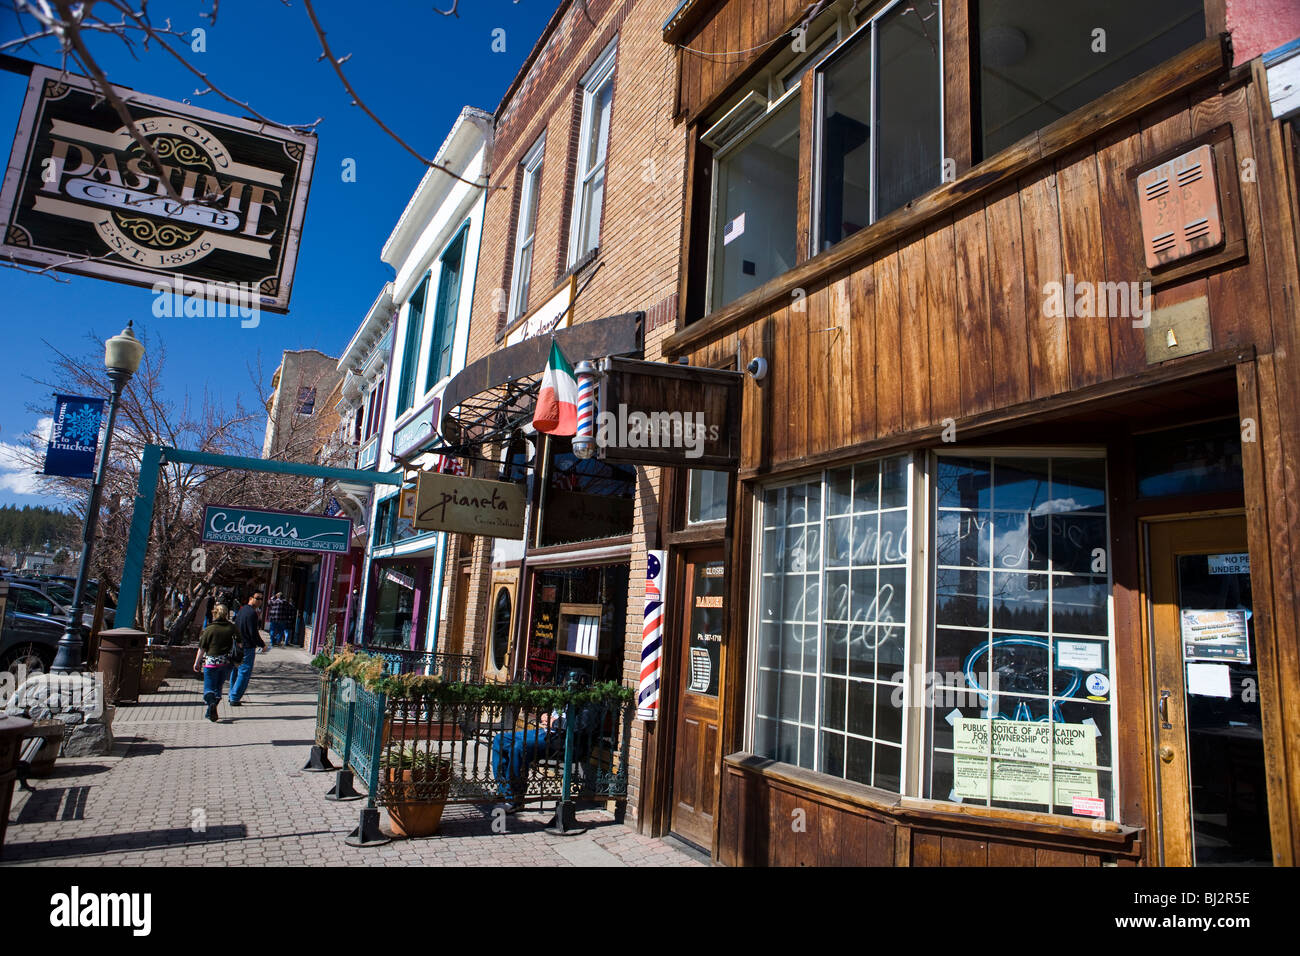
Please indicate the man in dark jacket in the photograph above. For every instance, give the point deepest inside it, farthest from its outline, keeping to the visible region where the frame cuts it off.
(247, 621)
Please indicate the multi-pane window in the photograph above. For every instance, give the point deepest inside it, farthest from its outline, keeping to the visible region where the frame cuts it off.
(593, 144)
(1020, 709)
(411, 347)
(833, 622)
(306, 399)
(526, 232)
(1039, 61)
(755, 205)
(880, 108)
(1004, 697)
(451, 269)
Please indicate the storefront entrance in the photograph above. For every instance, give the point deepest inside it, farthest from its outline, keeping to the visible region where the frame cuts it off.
(1212, 794)
(702, 656)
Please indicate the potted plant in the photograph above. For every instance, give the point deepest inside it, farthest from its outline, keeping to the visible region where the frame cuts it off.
(422, 772)
(153, 673)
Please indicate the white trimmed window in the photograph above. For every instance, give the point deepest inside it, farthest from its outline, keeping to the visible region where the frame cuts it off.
(593, 143)
(526, 231)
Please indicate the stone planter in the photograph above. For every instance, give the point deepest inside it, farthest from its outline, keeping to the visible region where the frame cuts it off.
(152, 677)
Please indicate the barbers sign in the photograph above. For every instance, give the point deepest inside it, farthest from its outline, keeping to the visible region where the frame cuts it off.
(81, 194)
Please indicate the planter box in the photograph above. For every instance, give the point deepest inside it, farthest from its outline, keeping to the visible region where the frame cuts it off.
(182, 658)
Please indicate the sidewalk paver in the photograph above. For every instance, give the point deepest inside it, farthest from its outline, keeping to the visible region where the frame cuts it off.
(179, 790)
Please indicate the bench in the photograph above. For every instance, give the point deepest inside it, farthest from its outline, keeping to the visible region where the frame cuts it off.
(26, 757)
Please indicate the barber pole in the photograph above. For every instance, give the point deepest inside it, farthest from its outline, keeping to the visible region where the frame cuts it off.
(584, 441)
(652, 637)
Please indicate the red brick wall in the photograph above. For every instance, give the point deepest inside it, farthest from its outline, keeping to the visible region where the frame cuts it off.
(635, 266)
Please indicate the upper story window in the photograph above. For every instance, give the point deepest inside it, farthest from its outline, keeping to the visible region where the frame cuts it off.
(756, 174)
(306, 399)
(527, 230)
(450, 272)
(593, 143)
(411, 347)
(1040, 61)
(880, 111)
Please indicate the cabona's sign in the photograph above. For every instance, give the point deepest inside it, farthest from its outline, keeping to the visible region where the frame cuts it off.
(277, 530)
(81, 194)
(469, 506)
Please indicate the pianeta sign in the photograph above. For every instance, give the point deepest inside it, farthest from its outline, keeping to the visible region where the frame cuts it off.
(469, 506)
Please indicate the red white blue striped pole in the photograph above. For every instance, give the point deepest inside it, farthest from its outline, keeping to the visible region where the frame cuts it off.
(652, 636)
(584, 440)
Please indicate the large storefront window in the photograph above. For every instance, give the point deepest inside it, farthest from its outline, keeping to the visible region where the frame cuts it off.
(397, 608)
(1009, 677)
(579, 616)
(833, 623)
(1019, 704)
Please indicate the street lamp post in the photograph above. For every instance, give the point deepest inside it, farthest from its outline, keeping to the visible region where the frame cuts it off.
(122, 355)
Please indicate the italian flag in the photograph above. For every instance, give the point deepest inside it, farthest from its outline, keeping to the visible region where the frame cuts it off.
(557, 402)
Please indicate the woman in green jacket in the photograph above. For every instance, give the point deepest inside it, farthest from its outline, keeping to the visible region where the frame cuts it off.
(216, 644)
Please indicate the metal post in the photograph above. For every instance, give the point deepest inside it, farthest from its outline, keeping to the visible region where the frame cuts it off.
(138, 542)
(343, 788)
(367, 832)
(68, 659)
(565, 821)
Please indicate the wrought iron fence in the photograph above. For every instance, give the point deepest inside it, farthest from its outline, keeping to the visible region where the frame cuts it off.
(417, 750)
(451, 667)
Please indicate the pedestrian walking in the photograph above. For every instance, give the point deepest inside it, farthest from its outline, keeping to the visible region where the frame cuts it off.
(216, 644)
(251, 638)
(280, 617)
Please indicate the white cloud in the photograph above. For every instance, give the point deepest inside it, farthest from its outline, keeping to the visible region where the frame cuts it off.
(17, 473)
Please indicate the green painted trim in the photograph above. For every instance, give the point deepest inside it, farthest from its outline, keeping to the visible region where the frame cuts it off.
(138, 542)
(281, 467)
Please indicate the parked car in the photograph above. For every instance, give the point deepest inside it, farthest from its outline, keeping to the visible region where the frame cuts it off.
(60, 590)
(33, 625)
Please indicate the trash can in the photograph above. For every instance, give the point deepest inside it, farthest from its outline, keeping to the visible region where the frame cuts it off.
(121, 660)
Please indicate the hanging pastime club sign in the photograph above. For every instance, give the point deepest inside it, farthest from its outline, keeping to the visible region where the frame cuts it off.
(82, 195)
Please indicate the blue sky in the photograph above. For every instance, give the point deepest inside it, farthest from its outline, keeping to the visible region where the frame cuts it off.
(416, 69)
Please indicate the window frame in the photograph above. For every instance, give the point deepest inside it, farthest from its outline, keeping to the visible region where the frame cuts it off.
(408, 375)
(913, 619)
(529, 194)
(864, 28)
(720, 154)
(446, 314)
(591, 85)
(922, 509)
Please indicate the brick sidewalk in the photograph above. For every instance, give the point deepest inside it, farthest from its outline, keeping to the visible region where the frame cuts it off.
(180, 790)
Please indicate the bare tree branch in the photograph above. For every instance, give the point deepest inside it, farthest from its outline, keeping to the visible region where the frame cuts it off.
(327, 54)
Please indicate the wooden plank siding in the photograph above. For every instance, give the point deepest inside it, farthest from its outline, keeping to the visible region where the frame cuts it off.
(951, 321)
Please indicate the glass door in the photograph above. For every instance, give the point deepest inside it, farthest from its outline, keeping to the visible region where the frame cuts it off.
(1209, 734)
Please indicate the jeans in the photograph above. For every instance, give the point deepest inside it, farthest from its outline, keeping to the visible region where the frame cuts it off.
(214, 678)
(279, 633)
(512, 752)
(240, 682)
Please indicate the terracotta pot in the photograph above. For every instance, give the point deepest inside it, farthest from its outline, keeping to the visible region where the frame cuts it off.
(417, 819)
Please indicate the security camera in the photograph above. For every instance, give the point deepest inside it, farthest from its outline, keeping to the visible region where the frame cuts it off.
(757, 369)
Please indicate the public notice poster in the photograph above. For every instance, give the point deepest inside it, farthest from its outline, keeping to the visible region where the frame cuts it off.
(1215, 635)
(1023, 740)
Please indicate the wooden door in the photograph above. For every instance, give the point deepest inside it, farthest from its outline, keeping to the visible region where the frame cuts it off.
(701, 651)
(455, 642)
(1209, 761)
